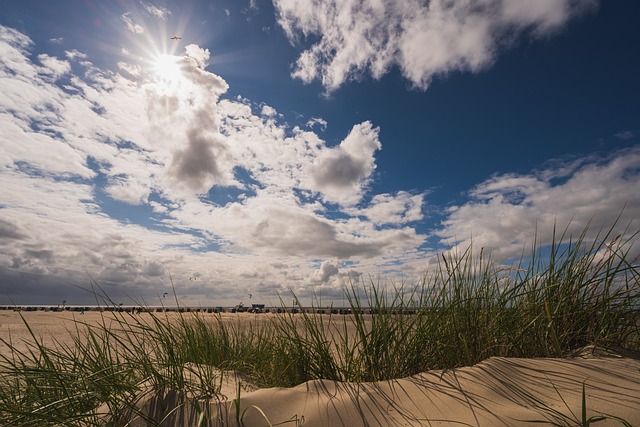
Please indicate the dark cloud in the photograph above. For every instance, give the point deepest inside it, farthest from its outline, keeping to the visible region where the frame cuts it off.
(339, 170)
(307, 235)
(196, 165)
(9, 230)
(341, 173)
(42, 254)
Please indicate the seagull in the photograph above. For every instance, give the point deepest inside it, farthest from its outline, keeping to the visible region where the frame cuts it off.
(176, 38)
(193, 278)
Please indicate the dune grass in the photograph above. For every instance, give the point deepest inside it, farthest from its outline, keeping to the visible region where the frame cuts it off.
(552, 302)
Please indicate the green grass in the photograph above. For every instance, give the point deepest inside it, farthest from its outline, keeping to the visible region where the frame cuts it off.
(469, 308)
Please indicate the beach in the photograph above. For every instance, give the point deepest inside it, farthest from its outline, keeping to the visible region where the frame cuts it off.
(496, 391)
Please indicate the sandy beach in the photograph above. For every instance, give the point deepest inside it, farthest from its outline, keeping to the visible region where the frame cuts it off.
(497, 391)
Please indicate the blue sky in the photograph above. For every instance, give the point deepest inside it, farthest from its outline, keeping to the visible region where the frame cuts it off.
(303, 145)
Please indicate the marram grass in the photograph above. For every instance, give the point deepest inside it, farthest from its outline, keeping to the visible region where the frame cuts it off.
(465, 311)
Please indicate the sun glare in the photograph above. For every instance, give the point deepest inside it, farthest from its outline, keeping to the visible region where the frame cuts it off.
(167, 67)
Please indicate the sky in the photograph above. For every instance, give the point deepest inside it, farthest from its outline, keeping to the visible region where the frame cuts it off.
(304, 145)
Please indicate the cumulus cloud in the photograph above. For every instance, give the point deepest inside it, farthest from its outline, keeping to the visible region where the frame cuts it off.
(423, 39)
(341, 173)
(401, 208)
(326, 271)
(329, 281)
(268, 111)
(506, 210)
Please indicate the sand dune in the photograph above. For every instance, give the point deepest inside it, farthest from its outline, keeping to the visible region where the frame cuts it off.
(496, 392)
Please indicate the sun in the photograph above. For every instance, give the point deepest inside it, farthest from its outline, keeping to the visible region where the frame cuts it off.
(167, 68)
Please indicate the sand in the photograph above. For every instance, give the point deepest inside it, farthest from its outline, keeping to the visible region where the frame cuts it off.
(495, 392)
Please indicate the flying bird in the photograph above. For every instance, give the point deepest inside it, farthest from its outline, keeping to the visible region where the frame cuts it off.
(250, 296)
(176, 38)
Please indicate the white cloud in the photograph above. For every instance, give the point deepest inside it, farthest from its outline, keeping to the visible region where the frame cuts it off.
(38, 150)
(132, 69)
(74, 54)
(389, 209)
(268, 111)
(158, 12)
(199, 55)
(329, 281)
(13, 51)
(424, 39)
(317, 121)
(506, 210)
(53, 66)
(132, 26)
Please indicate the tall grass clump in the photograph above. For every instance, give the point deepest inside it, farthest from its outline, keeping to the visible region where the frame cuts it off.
(550, 303)
(557, 300)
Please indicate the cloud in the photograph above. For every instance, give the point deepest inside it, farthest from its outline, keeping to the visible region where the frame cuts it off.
(8, 230)
(506, 211)
(423, 39)
(326, 271)
(130, 25)
(132, 69)
(198, 55)
(196, 165)
(74, 54)
(268, 111)
(341, 173)
(329, 281)
(53, 66)
(401, 208)
(158, 12)
(317, 121)
(625, 136)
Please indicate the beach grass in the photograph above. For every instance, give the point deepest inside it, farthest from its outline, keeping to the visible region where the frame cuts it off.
(553, 301)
